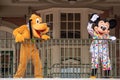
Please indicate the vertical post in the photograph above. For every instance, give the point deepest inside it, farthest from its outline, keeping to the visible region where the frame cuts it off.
(56, 54)
(84, 21)
(56, 58)
(56, 24)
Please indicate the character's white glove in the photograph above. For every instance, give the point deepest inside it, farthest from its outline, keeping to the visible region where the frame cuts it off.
(113, 38)
(94, 17)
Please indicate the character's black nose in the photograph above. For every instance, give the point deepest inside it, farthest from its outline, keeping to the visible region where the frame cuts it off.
(103, 28)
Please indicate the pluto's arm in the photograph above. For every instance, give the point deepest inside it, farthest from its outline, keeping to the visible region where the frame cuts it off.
(18, 33)
(44, 36)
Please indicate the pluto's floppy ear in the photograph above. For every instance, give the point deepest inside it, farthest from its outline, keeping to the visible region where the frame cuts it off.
(112, 23)
(30, 28)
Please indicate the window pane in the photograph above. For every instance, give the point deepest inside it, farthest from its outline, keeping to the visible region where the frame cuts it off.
(77, 25)
(70, 16)
(70, 22)
(70, 34)
(49, 21)
(77, 16)
(63, 16)
(6, 62)
(47, 18)
(63, 34)
(51, 17)
(70, 25)
(63, 25)
(77, 34)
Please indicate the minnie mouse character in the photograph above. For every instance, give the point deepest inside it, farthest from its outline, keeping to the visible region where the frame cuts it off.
(99, 30)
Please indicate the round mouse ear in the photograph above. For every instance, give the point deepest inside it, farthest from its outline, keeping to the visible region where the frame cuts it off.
(113, 23)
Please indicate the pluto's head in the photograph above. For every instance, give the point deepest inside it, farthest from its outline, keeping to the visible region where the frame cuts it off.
(37, 28)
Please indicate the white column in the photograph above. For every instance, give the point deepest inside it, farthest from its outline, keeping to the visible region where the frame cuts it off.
(84, 21)
(56, 24)
(56, 58)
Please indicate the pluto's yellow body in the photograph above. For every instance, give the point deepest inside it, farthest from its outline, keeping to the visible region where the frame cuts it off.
(28, 48)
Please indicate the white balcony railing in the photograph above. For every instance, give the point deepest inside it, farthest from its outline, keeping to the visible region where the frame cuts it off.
(62, 58)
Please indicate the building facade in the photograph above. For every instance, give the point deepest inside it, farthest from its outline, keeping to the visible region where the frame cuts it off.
(65, 55)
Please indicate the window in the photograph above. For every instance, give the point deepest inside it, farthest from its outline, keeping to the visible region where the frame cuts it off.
(49, 21)
(6, 60)
(5, 41)
(5, 35)
(70, 25)
(6, 54)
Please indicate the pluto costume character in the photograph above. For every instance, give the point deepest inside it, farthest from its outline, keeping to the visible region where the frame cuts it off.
(99, 29)
(34, 29)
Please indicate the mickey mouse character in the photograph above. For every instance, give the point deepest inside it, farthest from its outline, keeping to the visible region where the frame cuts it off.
(99, 30)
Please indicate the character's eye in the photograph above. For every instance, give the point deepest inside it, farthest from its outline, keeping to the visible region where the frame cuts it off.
(101, 27)
(38, 20)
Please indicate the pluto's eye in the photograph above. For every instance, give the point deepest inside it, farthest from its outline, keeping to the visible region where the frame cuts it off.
(37, 20)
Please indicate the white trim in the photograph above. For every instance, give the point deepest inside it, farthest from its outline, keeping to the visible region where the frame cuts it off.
(74, 10)
(6, 29)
